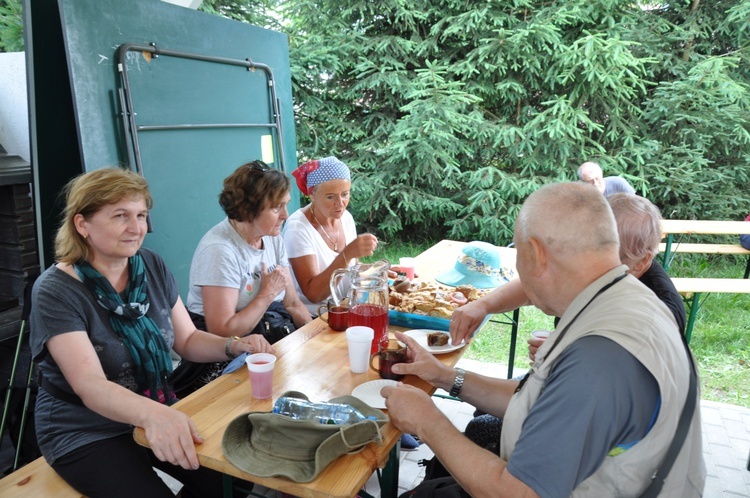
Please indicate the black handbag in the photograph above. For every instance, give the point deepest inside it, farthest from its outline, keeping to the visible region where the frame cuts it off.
(189, 376)
(276, 323)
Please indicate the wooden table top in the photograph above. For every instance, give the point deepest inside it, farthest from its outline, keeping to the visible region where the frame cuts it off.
(314, 361)
(717, 227)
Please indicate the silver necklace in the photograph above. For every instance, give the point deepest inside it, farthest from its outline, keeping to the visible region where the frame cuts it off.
(335, 244)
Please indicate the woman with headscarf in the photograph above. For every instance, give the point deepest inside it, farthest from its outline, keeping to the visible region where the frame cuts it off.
(321, 237)
(103, 320)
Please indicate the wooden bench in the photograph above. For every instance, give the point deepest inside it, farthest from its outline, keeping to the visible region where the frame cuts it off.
(671, 228)
(692, 288)
(36, 479)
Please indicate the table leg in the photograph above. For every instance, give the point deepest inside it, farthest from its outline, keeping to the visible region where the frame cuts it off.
(513, 322)
(228, 485)
(667, 256)
(389, 480)
(513, 338)
(694, 305)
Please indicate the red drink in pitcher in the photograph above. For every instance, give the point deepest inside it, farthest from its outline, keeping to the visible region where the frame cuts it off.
(375, 317)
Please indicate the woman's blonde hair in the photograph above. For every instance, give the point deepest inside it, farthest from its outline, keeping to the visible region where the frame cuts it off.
(86, 194)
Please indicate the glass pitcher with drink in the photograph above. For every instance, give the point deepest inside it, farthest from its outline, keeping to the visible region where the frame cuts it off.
(367, 295)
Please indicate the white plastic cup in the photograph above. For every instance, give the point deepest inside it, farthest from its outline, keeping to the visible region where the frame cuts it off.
(359, 338)
(541, 335)
(407, 266)
(260, 368)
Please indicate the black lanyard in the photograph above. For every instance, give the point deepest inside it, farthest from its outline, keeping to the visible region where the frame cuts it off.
(565, 330)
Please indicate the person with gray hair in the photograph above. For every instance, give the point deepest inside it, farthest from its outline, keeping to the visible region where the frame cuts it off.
(639, 228)
(599, 408)
(590, 172)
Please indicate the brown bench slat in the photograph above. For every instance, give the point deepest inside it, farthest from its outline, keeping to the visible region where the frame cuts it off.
(36, 479)
(726, 285)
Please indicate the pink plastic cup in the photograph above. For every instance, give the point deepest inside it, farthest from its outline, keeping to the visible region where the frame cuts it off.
(541, 335)
(407, 266)
(260, 368)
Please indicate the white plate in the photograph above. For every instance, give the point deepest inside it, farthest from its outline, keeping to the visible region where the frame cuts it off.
(420, 335)
(369, 392)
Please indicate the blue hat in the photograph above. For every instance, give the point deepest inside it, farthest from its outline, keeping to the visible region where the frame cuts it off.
(478, 265)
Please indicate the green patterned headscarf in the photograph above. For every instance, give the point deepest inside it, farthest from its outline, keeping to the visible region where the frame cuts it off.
(139, 333)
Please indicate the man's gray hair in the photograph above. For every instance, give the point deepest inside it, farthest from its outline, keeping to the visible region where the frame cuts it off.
(639, 226)
(568, 217)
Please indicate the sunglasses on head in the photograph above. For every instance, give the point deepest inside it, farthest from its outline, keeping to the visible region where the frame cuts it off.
(259, 166)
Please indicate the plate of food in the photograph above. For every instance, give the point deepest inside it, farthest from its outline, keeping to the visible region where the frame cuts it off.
(426, 305)
(434, 341)
(369, 392)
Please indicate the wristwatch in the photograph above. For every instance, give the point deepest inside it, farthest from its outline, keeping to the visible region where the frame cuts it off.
(458, 383)
(226, 347)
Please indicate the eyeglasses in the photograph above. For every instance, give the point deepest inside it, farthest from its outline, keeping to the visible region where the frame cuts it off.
(594, 181)
(259, 166)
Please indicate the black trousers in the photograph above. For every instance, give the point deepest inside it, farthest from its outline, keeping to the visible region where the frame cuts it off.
(121, 468)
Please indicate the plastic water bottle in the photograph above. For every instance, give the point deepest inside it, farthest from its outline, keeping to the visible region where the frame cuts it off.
(324, 413)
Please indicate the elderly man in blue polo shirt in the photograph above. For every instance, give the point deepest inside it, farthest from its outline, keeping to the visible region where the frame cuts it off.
(591, 172)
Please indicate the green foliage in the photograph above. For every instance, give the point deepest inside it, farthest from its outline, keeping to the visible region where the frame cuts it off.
(451, 113)
(11, 26)
(256, 12)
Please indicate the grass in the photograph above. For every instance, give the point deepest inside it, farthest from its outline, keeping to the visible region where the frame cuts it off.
(719, 341)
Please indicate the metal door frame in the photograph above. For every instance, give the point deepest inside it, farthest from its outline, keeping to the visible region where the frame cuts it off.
(128, 113)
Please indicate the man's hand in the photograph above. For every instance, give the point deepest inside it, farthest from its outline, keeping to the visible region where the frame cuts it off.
(534, 345)
(409, 407)
(465, 320)
(423, 364)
